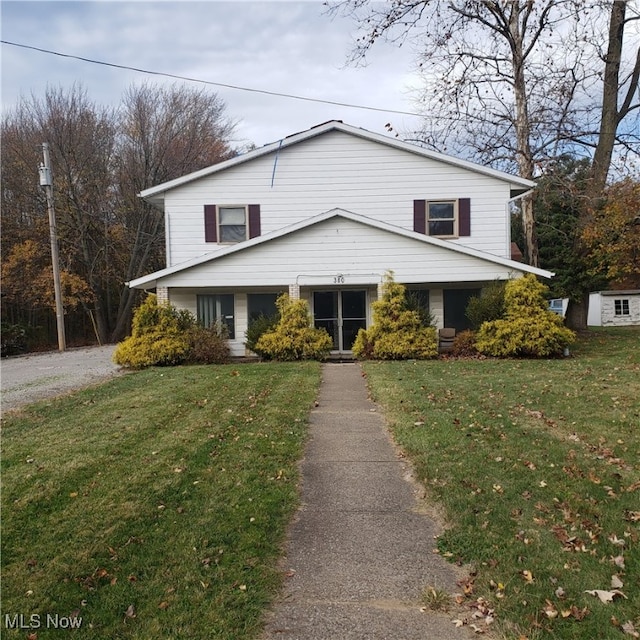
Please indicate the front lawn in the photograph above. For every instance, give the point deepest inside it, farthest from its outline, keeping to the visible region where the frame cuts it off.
(537, 466)
(153, 506)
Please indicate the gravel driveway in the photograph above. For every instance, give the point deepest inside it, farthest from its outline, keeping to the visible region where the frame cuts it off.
(32, 377)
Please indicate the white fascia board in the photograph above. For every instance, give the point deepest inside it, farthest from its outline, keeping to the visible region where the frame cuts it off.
(150, 281)
(155, 195)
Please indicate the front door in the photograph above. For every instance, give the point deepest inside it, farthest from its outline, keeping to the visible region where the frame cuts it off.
(342, 313)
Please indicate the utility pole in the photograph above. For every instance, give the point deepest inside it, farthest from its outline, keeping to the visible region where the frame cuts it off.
(46, 181)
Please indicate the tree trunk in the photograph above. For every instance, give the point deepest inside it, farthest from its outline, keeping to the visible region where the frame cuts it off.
(127, 300)
(577, 312)
(609, 117)
(523, 135)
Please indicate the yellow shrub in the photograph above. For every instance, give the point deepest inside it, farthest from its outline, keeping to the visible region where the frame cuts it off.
(159, 336)
(293, 337)
(528, 328)
(151, 349)
(397, 332)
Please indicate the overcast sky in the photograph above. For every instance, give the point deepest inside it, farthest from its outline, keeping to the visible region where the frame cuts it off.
(290, 47)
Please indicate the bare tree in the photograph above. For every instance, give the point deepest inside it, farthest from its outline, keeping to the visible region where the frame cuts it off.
(510, 82)
(620, 96)
(101, 161)
(165, 133)
(81, 139)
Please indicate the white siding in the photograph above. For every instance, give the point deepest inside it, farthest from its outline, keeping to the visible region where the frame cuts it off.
(317, 255)
(594, 316)
(337, 170)
(609, 317)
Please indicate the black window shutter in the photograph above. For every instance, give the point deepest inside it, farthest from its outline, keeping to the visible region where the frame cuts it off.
(464, 217)
(210, 225)
(420, 216)
(254, 220)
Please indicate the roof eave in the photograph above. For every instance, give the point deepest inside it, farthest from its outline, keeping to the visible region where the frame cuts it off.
(156, 194)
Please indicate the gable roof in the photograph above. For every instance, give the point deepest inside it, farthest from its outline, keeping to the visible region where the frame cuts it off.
(150, 281)
(155, 195)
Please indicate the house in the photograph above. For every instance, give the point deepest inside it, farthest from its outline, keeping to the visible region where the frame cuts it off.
(323, 215)
(614, 308)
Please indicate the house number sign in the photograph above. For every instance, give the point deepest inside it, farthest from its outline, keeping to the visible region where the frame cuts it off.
(339, 279)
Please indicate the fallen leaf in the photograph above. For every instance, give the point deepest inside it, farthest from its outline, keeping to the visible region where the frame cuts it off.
(618, 561)
(606, 596)
(616, 583)
(630, 630)
(528, 576)
(163, 605)
(130, 612)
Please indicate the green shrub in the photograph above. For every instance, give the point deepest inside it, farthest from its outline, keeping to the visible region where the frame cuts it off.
(14, 339)
(464, 344)
(293, 337)
(488, 306)
(258, 326)
(416, 303)
(207, 345)
(159, 336)
(528, 328)
(397, 332)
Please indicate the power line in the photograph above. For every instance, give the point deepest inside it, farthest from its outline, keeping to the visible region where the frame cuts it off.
(209, 82)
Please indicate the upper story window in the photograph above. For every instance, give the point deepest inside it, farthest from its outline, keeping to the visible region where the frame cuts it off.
(229, 224)
(442, 218)
(232, 224)
(621, 307)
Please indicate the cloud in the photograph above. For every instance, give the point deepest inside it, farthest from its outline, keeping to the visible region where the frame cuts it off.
(286, 47)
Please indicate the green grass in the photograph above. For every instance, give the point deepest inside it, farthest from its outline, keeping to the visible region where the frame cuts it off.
(153, 506)
(537, 466)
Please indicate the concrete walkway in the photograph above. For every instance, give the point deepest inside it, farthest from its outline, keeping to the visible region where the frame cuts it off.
(361, 550)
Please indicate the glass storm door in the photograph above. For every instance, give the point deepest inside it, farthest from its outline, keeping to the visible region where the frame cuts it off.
(342, 314)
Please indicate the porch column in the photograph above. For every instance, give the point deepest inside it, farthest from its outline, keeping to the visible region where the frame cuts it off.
(162, 293)
(294, 291)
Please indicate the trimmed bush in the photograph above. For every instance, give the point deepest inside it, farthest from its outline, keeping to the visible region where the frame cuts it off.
(464, 344)
(207, 345)
(528, 328)
(488, 306)
(293, 337)
(397, 332)
(159, 336)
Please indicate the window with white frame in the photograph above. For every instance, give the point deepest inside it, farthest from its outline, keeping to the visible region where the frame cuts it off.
(217, 309)
(232, 224)
(442, 218)
(621, 307)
